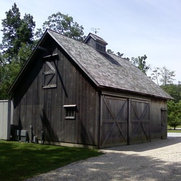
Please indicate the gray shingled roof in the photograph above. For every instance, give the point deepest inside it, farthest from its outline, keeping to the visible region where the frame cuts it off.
(108, 70)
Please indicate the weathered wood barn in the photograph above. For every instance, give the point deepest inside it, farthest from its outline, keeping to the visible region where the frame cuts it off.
(74, 92)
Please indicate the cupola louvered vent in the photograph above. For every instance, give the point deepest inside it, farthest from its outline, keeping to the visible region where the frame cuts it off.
(96, 42)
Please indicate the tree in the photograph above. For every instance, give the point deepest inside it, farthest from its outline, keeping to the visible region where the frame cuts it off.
(174, 113)
(15, 32)
(110, 51)
(25, 52)
(140, 62)
(162, 76)
(166, 76)
(120, 54)
(63, 24)
(9, 72)
(174, 90)
(10, 25)
(155, 75)
(17, 45)
(1, 70)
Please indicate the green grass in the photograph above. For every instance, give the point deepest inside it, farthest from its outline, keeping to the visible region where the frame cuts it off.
(19, 161)
(171, 130)
(174, 131)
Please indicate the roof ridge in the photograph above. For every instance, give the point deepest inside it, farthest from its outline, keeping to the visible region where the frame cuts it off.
(65, 36)
(85, 44)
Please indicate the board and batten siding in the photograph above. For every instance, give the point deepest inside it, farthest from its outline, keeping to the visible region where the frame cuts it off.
(104, 116)
(158, 124)
(43, 108)
(5, 119)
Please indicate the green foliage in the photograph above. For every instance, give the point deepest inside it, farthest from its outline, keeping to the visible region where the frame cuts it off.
(17, 45)
(19, 161)
(174, 113)
(10, 26)
(63, 24)
(25, 52)
(15, 32)
(140, 62)
(174, 131)
(174, 107)
(8, 72)
(174, 90)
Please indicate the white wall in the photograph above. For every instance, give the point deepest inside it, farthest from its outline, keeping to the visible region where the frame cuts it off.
(5, 119)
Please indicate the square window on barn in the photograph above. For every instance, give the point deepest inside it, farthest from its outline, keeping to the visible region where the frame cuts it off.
(70, 111)
(49, 71)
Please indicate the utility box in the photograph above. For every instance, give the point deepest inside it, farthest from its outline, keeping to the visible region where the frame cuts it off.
(22, 135)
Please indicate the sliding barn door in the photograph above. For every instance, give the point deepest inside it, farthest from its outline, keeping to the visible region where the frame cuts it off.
(139, 126)
(113, 121)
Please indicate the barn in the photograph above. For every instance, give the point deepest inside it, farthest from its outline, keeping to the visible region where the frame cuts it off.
(76, 93)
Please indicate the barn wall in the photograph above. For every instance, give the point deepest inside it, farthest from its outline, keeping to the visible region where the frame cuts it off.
(43, 107)
(158, 119)
(118, 120)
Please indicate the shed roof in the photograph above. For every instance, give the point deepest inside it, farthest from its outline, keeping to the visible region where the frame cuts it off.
(105, 70)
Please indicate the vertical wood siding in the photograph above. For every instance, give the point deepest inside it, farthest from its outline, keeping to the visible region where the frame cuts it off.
(43, 108)
(122, 118)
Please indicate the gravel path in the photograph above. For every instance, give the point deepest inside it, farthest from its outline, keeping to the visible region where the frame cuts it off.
(156, 161)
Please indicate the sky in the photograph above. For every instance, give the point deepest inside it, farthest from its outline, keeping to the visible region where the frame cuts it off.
(132, 27)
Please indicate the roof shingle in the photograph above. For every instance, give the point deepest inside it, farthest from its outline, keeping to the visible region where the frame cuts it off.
(109, 70)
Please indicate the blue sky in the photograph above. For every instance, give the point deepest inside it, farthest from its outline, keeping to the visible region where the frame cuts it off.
(132, 27)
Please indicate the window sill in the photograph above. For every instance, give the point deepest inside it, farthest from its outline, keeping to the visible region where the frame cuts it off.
(70, 117)
(50, 86)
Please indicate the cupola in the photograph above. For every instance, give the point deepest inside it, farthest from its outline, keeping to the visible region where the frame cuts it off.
(96, 42)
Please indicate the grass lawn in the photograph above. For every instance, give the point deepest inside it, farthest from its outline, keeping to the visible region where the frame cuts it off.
(170, 129)
(19, 161)
(174, 131)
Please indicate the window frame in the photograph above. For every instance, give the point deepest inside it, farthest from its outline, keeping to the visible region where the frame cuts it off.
(52, 72)
(70, 111)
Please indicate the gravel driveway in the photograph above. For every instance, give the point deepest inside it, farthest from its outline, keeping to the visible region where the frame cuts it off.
(155, 161)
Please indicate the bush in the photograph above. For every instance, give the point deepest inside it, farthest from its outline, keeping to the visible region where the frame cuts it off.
(174, 114)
